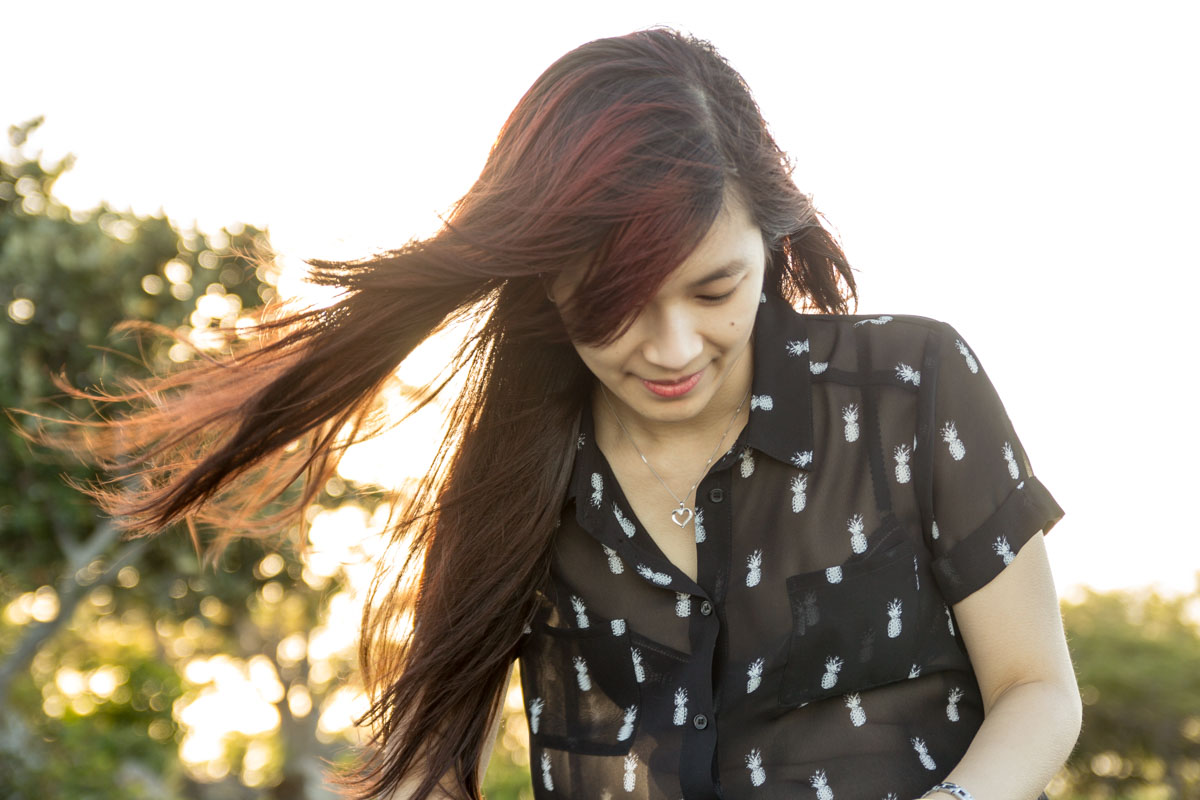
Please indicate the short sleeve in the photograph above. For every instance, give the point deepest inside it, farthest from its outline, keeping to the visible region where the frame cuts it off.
(986, 502)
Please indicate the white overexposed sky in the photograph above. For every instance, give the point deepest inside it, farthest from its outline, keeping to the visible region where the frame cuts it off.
(1026, 171)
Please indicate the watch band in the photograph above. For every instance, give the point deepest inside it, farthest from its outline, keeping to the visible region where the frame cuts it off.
(951, 789)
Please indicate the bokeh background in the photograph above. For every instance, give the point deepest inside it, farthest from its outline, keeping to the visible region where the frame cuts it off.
(1025, 171)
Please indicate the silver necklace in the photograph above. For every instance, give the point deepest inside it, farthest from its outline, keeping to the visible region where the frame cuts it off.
(682, 515)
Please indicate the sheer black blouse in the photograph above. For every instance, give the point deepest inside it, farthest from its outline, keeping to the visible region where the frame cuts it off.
(877, 483)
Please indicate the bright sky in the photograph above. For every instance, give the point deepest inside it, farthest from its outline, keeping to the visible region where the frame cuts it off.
(1021, 170)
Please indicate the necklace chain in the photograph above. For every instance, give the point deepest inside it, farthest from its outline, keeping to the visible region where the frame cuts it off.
(683, 514)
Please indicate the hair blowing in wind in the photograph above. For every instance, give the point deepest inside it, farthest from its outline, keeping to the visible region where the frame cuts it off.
(617, 158)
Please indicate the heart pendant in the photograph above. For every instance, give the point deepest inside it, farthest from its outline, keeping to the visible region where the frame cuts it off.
(681, 516)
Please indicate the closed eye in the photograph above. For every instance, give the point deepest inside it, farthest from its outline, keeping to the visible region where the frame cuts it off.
(718, 298)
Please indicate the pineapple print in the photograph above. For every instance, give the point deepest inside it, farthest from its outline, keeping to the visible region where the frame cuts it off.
(580, 442)
(627, 725)
(754, 675)
(747, 459)
(923, 753)
(581, 674)
(661, 578)
(812, 614)
(850, 417)
(618, 626)
(758, 776)
(581, 619)
(955, 695)
(949, 619)
(833, 665)
(1007, 451)
(907, 374)
(597, 490)
(683, 604)
(893, 611)
(698, 524)
(762, 401)
(884, 320)
(680, 706)
(754, 567)
(817, 367)
(797, 348)
(631, 762)
(799, 493)
(802, 458)
(1004, 550)
(546, 779)
(858, 717)
(935, 529)
(950, 437)
(833, 574)
(891, 796)
(915, 672)
(614, 561)
(858, 541)
(901, 454)
(638, 671)
(821, 784)
(972, 364)
(626, 524)
(535, 713)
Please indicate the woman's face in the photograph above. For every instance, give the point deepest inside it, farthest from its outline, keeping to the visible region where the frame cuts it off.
(681, 350)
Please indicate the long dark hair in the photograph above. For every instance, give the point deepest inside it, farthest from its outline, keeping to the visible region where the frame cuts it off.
(618, 157)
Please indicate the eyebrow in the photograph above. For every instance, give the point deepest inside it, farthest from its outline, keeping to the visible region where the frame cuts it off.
(727, 271)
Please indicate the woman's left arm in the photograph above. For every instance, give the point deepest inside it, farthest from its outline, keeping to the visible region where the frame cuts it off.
(1013, 630)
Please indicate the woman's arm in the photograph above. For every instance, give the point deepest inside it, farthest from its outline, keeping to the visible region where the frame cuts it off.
(1032, 713)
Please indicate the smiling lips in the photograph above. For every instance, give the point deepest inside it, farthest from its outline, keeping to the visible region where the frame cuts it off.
(674, 388)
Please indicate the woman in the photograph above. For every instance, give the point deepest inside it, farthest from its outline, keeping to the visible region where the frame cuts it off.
(739, 551)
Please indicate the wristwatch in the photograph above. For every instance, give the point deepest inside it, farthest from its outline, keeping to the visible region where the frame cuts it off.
(951, 789)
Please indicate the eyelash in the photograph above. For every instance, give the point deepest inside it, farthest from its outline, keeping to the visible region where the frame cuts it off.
(718, 298)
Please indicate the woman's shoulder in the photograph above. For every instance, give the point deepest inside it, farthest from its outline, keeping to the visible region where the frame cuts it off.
(890, 339)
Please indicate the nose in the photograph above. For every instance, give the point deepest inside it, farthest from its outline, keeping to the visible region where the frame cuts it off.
(673, 343)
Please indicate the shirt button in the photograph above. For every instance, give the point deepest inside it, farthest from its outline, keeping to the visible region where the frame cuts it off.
(716, 494)
(706, 608)
(700, 721)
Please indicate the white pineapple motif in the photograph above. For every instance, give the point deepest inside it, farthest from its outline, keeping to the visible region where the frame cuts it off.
(581, 674)
(857, 716)
(614, 561)
(812, 614)
(802, 458)
(797, 348)
(833, 574)
(680, 706)
(547, 781)
(627, 725)
(580, 442)
(935, 529)
(972, 364)
(893, 611)
(1004, 550)
(638, 671)
(799, 493)
(950, 437)
(955, 695)
(597, 489)
(698, 524)
(833, 665)
(683, 604)
(618, 626)
(949, 619)
(915, 672)
(901, 454)
(883, 320)
(754, 567)
(923, 753)
(817, 367)
(661, 578)
(821, 784)
(754, 675)
(747, 459)
(758, 775)
(1012, 462)
(891, 796)
(535, 713)
(850, 417)
(762, 401)
(581, 619)
(631, 762)
(858, 541)
(907, 374)
(626, 524)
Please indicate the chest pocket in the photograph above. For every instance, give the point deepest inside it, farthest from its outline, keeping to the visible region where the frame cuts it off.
(854, 626)
(580, 689)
